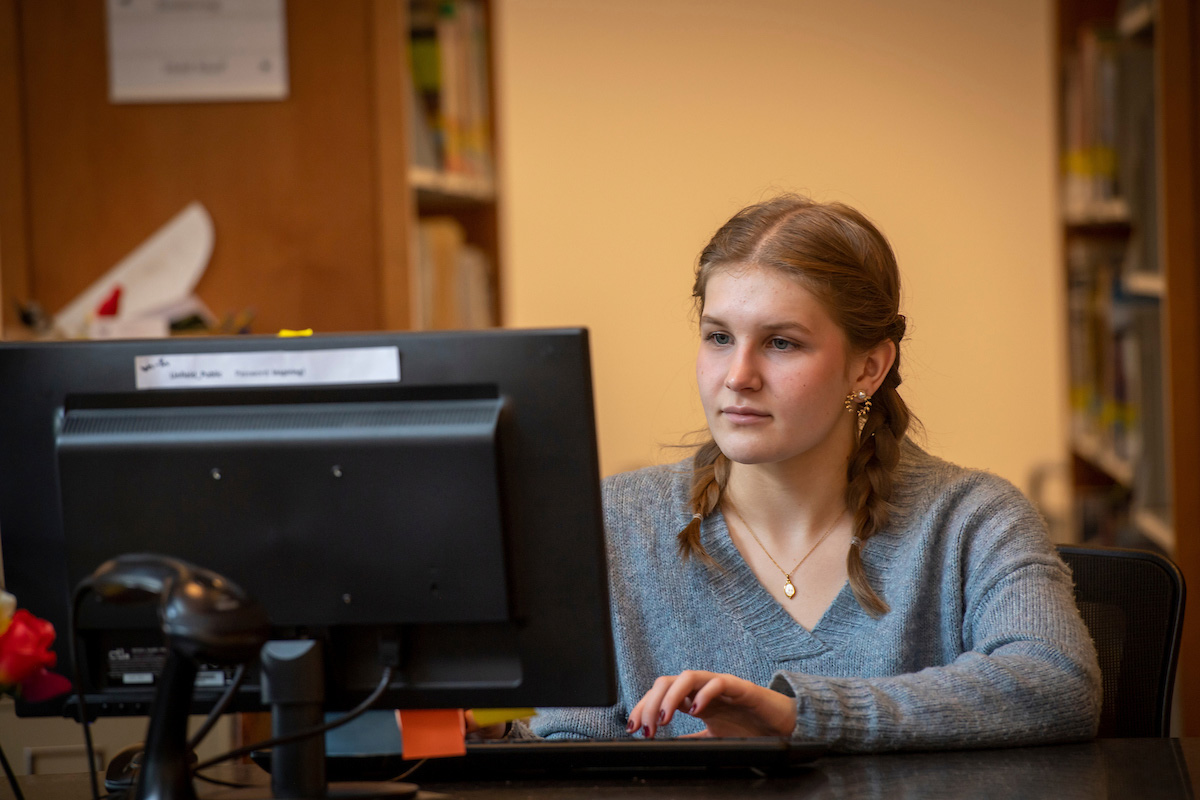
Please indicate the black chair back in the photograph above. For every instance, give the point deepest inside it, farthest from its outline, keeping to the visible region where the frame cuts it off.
(1132, 602)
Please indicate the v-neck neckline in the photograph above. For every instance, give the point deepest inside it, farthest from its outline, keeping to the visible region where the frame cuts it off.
(755, 609)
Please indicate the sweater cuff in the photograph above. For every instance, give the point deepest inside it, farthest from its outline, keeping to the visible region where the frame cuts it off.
(780, 682)
(830, 710)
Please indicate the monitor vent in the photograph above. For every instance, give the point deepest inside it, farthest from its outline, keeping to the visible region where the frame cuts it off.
(107, 422)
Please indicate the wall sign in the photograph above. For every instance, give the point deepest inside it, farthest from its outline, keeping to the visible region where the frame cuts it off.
(163, 51)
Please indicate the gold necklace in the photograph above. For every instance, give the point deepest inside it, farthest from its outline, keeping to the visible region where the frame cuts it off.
(788, 587)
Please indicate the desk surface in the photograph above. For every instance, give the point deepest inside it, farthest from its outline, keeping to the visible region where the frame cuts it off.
(1111, 768)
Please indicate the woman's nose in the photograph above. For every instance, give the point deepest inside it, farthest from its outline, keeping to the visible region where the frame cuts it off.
(743, 372)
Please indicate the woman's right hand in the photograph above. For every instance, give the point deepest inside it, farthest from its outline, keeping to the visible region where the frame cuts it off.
(728, 706)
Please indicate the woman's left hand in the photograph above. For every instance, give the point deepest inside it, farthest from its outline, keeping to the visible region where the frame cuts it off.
(728, 705)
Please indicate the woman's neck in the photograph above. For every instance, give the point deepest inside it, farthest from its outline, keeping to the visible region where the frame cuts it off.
(788, 503)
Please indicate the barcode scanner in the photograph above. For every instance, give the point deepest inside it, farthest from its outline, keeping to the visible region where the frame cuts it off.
(206, 618)
(203, 614)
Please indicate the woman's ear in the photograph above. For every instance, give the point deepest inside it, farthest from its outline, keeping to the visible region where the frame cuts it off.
(870, 368)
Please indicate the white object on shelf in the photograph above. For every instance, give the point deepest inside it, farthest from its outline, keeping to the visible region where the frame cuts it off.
(1145, 284)
(1155, 528)
(1137, 19)
(1112, 211)
(469, 187)
(1094, 451)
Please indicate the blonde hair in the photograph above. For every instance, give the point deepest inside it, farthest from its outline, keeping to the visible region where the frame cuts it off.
(843, 259)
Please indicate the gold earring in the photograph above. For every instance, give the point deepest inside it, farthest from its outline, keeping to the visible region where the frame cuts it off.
(859, 403)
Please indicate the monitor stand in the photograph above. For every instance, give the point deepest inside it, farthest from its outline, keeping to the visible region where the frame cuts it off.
(293, 684)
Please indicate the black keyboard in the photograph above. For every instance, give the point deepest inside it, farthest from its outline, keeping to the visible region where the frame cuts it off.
(590, 758)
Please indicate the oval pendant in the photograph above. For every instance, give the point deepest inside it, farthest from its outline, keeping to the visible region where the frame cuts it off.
(788, 589)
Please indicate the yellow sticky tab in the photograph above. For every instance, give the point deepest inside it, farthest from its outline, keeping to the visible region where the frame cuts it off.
(288, 334)
(493, 716)
(432, 733)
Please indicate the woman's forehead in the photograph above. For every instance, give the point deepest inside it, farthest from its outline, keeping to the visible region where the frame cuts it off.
(742, 280)
(764, 297)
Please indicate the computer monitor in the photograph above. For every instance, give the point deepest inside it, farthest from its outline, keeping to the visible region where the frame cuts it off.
(434, 493)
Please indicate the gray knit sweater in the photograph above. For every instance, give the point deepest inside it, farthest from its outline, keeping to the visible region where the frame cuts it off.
(983, 644)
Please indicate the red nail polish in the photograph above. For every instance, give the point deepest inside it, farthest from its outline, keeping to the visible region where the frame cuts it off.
(693, 709)
(662, 717)
(630, 726)
(646, 731)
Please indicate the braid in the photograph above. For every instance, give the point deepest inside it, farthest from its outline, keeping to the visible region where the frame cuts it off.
(869, 482)
(710, 473)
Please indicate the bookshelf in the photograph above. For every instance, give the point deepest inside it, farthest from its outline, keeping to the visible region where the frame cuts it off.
(1130, 186)
(318, 201)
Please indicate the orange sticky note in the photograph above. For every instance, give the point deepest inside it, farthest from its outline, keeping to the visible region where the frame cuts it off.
(432, 732)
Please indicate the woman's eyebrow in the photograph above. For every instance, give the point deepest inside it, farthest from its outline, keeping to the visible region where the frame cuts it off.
(786, 326)
(769, 326)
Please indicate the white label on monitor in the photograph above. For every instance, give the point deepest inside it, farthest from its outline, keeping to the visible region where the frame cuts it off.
(268, 368)
(137, 678)
(210, 678)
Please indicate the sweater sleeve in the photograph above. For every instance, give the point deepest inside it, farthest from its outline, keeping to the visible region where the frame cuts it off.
(1026, 672)
(628, 521)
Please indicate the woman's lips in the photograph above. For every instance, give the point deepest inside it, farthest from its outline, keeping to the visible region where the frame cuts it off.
(744, 415)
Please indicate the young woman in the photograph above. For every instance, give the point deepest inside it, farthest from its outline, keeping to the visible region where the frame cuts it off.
(811, 572)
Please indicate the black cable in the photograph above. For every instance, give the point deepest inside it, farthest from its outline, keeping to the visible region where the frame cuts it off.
(316, 730)
(219, 782)
(72, 620)
(218, 709)
(408, 771)
(12, 779)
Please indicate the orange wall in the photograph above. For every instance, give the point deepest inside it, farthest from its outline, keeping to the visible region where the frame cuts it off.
(631, 129)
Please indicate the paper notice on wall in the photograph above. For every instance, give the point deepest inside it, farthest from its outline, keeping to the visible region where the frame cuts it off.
(196, 50)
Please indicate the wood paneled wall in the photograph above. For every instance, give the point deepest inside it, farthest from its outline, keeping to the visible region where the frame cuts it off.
(308, 195)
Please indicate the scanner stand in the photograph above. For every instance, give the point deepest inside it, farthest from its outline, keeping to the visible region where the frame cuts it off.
(293, 686)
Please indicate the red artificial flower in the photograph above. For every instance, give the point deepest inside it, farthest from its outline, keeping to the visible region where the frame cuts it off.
(25, 658)
(43, 685)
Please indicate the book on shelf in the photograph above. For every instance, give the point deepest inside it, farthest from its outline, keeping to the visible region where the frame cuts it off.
(448, 48)
(1106, 332)
(1116, 371)
(452, 286)
(426, 80)
(1109, 155)
(422, 143)
(1138, 154)
(1090, 123)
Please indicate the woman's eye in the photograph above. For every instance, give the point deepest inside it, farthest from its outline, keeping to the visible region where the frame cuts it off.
(719, 338)
(781, 344)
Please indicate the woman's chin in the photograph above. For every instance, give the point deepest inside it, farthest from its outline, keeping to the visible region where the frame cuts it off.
(743, 454)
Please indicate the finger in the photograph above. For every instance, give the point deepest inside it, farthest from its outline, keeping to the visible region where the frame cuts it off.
(635, 714)
(649, 707)
(724, 685)
(670, 706)
(680, 695)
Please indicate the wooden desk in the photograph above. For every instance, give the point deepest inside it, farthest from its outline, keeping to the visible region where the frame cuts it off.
(1107, 768)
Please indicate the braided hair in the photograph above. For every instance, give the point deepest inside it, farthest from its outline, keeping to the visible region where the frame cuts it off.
(843, 259)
